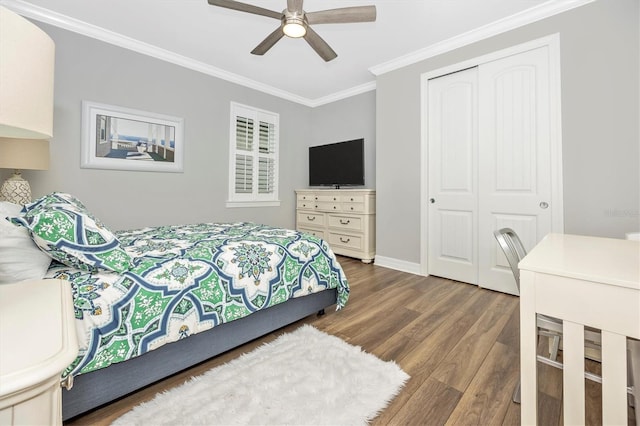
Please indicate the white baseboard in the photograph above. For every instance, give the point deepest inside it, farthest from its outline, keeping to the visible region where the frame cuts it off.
(398, 264)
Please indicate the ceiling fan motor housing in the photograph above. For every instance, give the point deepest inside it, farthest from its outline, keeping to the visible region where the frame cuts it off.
(294, 24)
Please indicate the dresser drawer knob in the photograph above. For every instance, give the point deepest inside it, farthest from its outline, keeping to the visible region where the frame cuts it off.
(311, 218)
(345, 222)
(345, 241)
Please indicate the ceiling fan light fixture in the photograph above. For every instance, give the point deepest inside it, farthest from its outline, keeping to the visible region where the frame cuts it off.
(296, 23)
(294, 28)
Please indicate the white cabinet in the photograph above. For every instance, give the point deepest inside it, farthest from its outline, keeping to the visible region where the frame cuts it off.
(345, 218)
(37, 342)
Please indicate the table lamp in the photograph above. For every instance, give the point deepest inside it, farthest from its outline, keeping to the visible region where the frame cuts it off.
(21, 154)
(26, 101)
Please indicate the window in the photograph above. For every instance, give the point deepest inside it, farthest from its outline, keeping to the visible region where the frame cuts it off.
(253, 159)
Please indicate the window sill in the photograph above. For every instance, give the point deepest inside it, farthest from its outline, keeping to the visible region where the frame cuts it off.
(233, 204)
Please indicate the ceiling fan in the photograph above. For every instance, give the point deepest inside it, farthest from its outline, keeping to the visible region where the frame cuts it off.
(295, 22)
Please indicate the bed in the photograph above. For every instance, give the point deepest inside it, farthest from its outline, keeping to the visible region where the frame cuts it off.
(154, 301)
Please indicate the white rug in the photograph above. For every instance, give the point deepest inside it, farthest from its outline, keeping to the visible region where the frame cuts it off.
(306, 377)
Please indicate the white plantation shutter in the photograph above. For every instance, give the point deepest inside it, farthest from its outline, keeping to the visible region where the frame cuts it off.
(254, 156)
(244, 155)
(244, 133)
(266, 176)
(266, 158)
(244, 174)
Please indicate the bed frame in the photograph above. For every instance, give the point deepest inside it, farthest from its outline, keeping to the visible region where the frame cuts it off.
(91, 390)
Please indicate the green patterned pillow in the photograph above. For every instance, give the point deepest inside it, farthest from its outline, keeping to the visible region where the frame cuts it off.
(53, 198)
(71, 235)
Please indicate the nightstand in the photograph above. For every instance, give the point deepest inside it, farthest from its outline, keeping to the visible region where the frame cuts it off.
(37, 342)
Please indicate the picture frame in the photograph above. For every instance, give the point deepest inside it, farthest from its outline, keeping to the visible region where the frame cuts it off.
(119, 138)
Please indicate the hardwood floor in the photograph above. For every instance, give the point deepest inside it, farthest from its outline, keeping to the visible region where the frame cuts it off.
(459, 344)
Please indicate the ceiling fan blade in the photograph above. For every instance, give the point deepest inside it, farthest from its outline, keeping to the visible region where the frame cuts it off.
(268, 42)
(319, 45)
(294, 6)
(243, 7)
(342, 15)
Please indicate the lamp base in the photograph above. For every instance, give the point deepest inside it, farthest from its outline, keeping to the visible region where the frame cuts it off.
(16, 190)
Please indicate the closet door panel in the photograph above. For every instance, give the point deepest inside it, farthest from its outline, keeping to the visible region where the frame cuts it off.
(514, 162)
(453, 144)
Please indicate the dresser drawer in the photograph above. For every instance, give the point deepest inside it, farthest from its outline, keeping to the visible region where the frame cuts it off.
(310, 219)
(328, 206)
(306, 205)
(344, 240)
(315, 232)
(355, 198)
(346, 223)
(306, 197)
(353, 207)
(328, 198)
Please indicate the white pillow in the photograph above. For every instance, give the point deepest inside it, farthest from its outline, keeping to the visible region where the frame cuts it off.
(20, 257)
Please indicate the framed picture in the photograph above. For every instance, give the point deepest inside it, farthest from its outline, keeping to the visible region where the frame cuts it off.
(120, 138)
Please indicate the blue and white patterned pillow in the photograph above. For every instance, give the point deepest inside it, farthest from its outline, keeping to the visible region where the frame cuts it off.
(53, 198)
(63, 228)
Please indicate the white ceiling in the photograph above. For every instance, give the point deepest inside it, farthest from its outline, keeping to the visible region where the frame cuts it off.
(218, 41)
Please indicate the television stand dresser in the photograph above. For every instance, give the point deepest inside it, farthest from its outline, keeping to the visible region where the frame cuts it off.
(345, 218)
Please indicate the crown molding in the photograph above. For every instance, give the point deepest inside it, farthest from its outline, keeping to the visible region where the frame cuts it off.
(71, 24)
(363, 88)
(545, 10)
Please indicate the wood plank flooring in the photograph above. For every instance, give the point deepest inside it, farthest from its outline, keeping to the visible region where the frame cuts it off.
(459, 344)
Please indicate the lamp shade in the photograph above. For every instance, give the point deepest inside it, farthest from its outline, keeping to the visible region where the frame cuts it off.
(26, 78)
(24, 154)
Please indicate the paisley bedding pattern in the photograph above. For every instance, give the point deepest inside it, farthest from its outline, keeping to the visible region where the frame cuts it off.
(190, 278)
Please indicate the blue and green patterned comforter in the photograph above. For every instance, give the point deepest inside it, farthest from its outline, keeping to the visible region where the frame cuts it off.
(188, 279)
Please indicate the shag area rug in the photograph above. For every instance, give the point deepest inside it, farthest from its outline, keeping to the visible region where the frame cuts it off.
(306, 377)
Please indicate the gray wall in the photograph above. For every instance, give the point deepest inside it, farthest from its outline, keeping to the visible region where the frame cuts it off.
(87, 69)
(351, 118)
(599, 46)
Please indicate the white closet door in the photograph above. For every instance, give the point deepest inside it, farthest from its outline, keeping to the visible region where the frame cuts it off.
(453, 187)
(514, 160)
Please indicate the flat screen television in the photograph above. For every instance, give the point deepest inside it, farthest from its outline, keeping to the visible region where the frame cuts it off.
(337, 164)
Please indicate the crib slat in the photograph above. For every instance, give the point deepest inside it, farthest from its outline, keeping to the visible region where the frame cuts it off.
(614, 379)
(573, 374)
